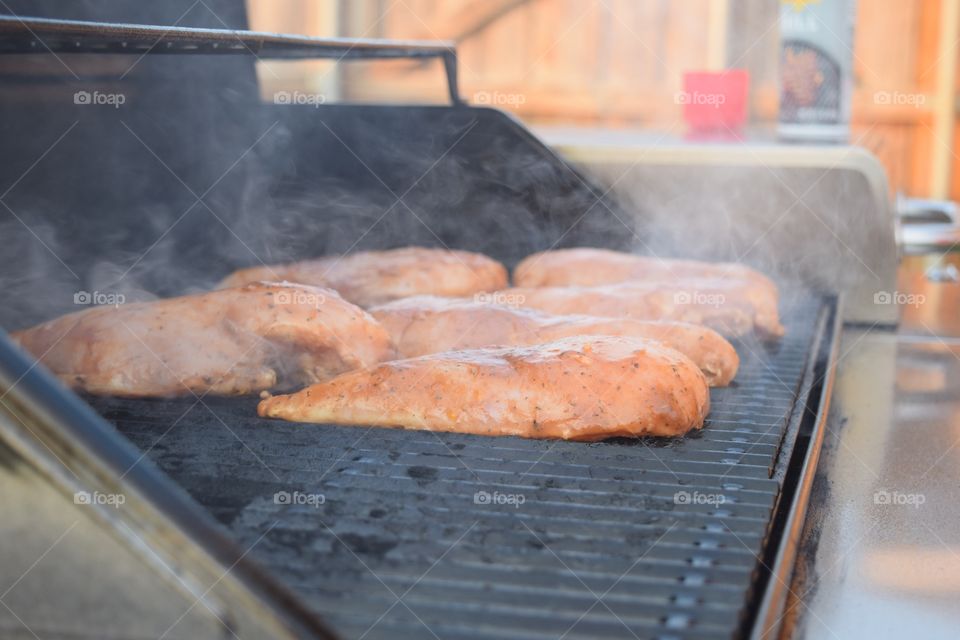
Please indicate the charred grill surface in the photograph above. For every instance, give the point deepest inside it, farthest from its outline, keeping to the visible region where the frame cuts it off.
(387, 533)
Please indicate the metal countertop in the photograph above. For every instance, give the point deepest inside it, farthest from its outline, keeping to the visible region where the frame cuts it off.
(880, 554)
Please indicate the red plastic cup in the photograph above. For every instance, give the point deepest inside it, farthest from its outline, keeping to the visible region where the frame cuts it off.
(715, 101)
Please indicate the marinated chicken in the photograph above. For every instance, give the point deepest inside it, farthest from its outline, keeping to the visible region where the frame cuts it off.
(728, 306)
(580, 388)
(373, 277)
(588, 267)
(227, 342)
(423, 325)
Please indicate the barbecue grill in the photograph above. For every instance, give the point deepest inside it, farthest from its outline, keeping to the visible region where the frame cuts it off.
(319, 531)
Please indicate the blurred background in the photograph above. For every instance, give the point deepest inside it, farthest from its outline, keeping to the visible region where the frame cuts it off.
(568, 66)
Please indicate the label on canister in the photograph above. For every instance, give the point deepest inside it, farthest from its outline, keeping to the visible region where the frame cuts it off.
(816, 60)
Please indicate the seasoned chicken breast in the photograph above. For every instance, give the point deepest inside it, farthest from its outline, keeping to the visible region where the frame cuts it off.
(590, 267)
(728, 306)
(373, 277)
(587, 267)
(227, 342)
(580, 388)
(428, 324)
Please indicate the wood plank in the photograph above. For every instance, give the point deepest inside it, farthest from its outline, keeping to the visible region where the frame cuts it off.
(944, 107)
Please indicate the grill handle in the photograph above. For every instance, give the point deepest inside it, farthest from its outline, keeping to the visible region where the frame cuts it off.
(40, 35)
(920, 211)
(929, 227)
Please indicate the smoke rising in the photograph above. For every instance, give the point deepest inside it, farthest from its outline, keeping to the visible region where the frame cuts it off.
(193, 177)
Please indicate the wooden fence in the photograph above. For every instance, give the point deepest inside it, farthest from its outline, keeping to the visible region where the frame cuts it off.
(619, 63)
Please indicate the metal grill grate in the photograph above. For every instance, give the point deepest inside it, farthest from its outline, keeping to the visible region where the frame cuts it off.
(405, 543)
